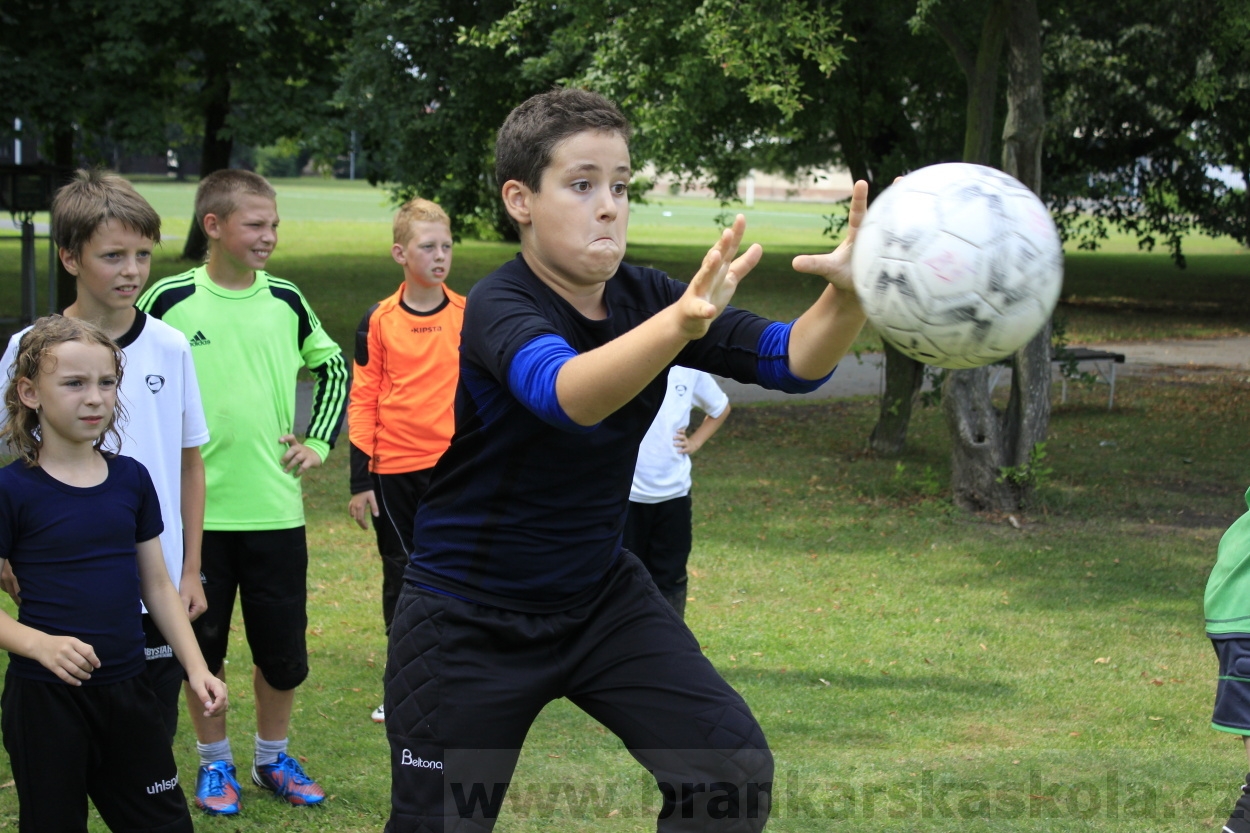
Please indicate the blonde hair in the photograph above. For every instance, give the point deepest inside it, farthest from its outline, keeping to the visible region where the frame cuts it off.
(93, 198)
(416, 210)
(35, 348)
(219, 192)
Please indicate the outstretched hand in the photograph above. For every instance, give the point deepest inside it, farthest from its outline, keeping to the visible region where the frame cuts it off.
(713, 286)
(835, 267)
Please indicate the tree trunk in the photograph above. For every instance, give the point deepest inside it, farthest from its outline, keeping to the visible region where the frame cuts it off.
(216, 149)
(983, 86)
(1028, 412)
(904, 376)
(63, 158)
(903, 379)
(993, 456)
(976, 432)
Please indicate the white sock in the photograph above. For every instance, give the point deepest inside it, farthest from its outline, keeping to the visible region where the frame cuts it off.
(218, 751)
(267, 750)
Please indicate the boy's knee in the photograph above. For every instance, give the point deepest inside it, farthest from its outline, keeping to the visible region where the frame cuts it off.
(284, 675)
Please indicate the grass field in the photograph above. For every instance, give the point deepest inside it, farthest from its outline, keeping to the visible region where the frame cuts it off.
(912, 666)
(909, 663)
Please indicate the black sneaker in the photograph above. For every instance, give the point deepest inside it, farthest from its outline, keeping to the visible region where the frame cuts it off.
(1239, 821)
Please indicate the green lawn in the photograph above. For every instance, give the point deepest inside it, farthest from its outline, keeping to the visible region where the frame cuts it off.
(907, 661)
(914, 667)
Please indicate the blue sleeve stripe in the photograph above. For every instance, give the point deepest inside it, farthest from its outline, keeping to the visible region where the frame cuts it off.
(532, 379)
(774, 362)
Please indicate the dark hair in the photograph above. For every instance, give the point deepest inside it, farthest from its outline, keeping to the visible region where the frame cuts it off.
(529, 135)
(93, 198)
(34, 350)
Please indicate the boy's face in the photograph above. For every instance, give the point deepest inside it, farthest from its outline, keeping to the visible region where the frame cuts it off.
(426, 257)
(112, 267)
(248, 235)
(573, 230)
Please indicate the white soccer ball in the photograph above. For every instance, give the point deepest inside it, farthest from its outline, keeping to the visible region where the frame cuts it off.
(958, 265)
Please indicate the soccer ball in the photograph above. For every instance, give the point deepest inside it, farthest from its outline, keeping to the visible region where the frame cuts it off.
(958, 265)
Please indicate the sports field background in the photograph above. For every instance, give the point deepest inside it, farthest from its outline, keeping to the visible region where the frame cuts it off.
(914, 667)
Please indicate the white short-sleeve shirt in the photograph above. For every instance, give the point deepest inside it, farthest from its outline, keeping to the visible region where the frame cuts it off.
(661, 472)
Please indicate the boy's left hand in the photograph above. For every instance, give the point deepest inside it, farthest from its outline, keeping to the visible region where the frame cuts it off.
(835, 267)
(684, 444)
(298, 458)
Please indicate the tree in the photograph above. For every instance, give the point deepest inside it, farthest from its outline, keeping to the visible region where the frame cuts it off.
(133, 71)
(994, 454)
(74, 70)
(1147, 98)
(427, 100)
(253, 72)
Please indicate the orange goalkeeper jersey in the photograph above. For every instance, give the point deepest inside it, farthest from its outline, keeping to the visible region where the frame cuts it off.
(404, 383)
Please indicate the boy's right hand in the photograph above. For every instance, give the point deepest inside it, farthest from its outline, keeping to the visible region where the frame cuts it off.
(71, 659)
(713, 286)
(361, 503)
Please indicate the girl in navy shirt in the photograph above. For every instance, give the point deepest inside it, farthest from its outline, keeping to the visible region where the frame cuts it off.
(79, 525)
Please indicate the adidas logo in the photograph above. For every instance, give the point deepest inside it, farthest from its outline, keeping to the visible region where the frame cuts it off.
(199, 339)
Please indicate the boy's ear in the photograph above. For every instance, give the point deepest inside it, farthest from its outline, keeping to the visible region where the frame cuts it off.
(27, 394)
(212, 226)
(69, 260)
(397, 254)
(516, 199)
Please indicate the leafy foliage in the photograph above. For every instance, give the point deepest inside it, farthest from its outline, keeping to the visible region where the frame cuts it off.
(80, 65)
(1144, 100)
(810, 86)
(813, 85)
(427, 99)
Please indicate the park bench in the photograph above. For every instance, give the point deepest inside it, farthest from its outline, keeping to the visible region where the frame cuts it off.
(1104, 363)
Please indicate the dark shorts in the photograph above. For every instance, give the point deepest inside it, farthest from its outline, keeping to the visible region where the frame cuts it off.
(268, 569)
(464, 682)
(164, 675)
(67, 743)
(1232, 692)
(659, 534)
(397, 496)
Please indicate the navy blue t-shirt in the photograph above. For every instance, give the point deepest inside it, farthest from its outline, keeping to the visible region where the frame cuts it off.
(73, 552)
(523, 514)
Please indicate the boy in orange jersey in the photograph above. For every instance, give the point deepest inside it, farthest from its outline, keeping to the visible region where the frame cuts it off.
(400, 417)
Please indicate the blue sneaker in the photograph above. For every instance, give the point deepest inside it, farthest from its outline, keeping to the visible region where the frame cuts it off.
(286, 779)
(216, 789)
